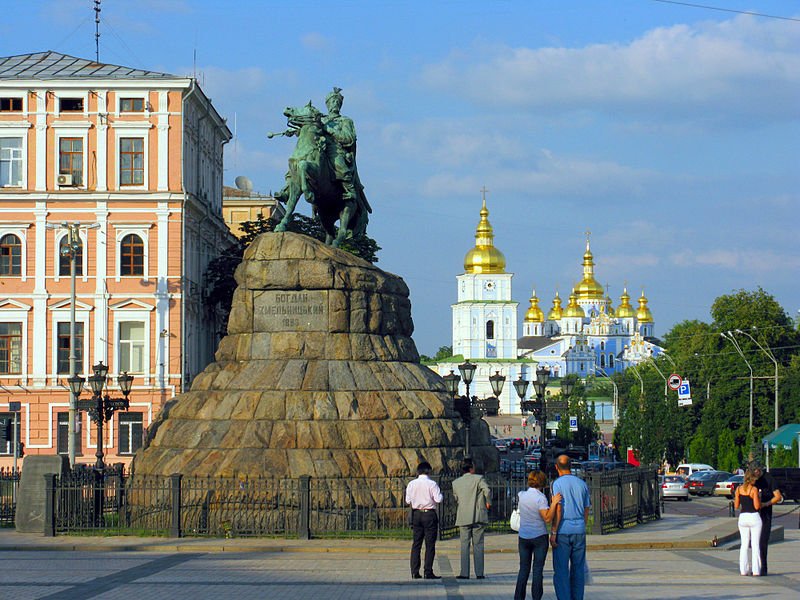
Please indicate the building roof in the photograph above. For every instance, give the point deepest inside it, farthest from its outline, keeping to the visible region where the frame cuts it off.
(534, 342)
(783, 435)
(53, 65)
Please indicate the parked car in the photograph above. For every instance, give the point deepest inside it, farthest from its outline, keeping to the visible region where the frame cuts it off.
(704, 482)
(689, 469)
(516, 443)
(674, 486)
(501, 445)
(728, 486)
(788, 481)
(519, 469)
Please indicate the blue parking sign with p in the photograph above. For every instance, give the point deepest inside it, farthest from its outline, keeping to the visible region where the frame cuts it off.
(684, 391)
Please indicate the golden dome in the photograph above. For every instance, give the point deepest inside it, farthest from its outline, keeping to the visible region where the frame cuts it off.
(484, 257)
(609, 306)
(556, 312)
(643, 314)
(573, 308)
(625, 309)
(534, 314)
(588, 288)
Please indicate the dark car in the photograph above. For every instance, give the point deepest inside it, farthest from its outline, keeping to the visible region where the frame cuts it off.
(516, 443)
(703, 483)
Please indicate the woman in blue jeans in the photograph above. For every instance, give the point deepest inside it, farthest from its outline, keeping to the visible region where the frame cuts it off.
(534, 514)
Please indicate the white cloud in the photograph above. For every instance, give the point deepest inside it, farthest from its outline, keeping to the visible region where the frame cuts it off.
(316, 41)
(742, 68)
(753, 262)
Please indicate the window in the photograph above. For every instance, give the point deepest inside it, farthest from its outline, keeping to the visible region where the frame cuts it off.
(10, 104)
(131, 161)
(602, 360)
(130, 432)
(71, 104)
(10, 162)
(63, 347)
(7, 429)
(611, 360)
(131, 105)
(62, 433)
(489, 330)
(63, 257)
(10, 255)
(602, 346)
(10, 348)
(71, 159)
(131, 347)
(131, 261)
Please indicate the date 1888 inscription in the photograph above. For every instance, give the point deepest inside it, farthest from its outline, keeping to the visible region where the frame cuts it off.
(290, 311)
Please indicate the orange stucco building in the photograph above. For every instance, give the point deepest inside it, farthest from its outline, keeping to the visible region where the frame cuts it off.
(130, 162)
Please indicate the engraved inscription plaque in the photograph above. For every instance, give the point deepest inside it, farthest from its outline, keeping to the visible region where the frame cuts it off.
(290, 311)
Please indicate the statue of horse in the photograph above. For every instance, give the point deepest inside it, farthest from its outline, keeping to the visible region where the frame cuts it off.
(311, 174)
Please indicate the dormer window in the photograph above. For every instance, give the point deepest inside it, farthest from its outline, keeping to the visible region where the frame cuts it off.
(71, 104)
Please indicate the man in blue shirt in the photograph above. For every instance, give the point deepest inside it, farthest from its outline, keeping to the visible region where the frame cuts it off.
(568, 534)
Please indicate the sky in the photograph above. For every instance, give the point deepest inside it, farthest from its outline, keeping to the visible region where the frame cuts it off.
(668, 131)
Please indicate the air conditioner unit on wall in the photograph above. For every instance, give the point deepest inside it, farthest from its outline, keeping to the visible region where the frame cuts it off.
(64, 180)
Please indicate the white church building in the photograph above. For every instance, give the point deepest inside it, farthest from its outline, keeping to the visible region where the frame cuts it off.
(588, 336)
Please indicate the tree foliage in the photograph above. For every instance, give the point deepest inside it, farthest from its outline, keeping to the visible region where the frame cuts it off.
(219, 276)
(715, 428)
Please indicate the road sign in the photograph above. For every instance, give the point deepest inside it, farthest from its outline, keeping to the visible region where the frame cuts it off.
(573, 423)
(121, 404)
(674, 381)
(684, 401)
(684, 391)
(86, 404)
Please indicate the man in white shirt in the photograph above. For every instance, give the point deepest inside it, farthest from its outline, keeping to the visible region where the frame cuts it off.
(423, 495)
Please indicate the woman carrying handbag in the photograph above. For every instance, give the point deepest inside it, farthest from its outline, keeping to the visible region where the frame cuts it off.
(746, 498)
(534, 514)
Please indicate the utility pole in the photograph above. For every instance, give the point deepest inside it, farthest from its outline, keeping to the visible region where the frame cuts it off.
(71, 249)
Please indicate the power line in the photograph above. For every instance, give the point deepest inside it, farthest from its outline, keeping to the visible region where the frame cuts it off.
(730, 10)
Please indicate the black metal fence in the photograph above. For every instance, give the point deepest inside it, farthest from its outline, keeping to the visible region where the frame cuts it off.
(113, 503)
(9, 481)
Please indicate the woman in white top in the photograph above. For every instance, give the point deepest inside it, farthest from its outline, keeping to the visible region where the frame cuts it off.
(534, 514)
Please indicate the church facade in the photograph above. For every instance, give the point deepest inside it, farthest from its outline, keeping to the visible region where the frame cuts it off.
(588, 336)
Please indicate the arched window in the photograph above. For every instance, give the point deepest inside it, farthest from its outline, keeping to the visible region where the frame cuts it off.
(489, 330)
(602, 361)
(611, 361)
(10, 255)
(131, 255)
(602, 346)
(63, 257)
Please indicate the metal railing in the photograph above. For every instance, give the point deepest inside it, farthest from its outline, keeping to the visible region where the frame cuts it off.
(9, 483)
(113, 503)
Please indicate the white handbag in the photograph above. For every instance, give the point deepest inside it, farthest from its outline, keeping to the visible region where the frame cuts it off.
(513, 521)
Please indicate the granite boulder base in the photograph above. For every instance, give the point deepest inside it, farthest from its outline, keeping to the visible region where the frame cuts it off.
(317, 376)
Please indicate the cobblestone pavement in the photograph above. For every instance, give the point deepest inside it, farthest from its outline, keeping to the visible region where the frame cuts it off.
(355, 572)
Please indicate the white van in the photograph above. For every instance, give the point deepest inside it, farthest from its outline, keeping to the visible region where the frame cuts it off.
(687, 469)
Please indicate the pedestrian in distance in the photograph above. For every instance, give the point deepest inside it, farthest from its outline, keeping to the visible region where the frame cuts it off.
(534, 516)
(746, 498)
(568, 533)
(770, 495)
(423, 495)
(474, 502)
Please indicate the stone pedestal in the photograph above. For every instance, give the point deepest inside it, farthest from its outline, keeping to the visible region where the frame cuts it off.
(317, 376)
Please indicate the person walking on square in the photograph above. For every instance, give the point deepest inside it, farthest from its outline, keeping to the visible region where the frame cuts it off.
(534, 515)
(747, 499)
(568, 533)
(474, 501)
(769, 495)
(423, 495)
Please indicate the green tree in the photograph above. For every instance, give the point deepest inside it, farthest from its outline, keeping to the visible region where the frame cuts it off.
(219, 276)
(729, 456)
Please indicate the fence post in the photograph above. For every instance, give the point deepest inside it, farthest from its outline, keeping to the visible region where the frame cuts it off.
(49, 504)
(595, 480)
(620, 499)
(175, 489)
(304, 514)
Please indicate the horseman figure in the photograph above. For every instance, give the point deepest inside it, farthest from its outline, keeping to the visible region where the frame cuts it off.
(323, 170)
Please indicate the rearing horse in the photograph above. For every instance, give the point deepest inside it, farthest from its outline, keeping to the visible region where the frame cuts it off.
(311, 175)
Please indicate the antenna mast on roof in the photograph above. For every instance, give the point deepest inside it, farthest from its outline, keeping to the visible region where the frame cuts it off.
(97, 30)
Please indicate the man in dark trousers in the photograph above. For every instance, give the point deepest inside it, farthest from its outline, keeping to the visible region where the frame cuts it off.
(423, 495)
(769, 495)
(474, 501)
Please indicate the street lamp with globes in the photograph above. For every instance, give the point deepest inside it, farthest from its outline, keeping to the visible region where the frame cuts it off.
(539, 387)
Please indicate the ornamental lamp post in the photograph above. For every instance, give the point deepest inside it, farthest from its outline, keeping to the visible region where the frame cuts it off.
(539, 386)
(521, 387)
(464, 403)
(101, 407)
(497, 381)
